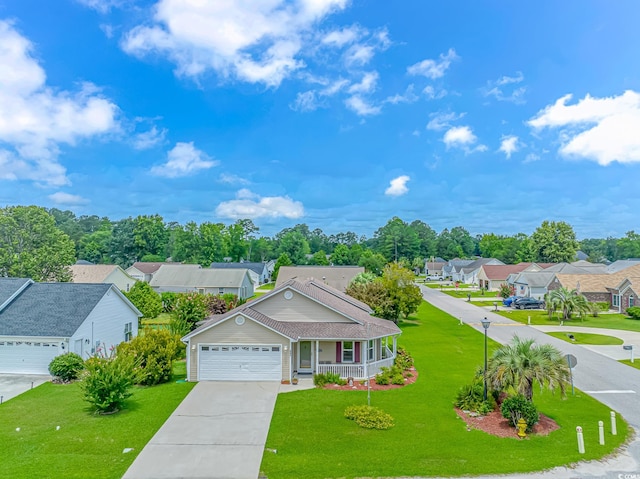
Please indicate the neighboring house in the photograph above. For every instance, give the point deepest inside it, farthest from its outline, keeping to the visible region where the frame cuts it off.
(534, 284)
(144, 271)
(435, 267)
(102, 273)
(581, 256)
(625, 294)
(453, 268)
(337, 277)
(39, 321)
(492, 276)
(184, 278)
(577, 267)
(469, 272)
(621, 264)
(301, 327)
(258, 271)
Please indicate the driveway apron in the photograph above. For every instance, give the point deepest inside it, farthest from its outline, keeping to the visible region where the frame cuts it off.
(218, 431)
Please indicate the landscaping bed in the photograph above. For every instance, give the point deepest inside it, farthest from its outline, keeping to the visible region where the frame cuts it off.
(496, 425)
(410, 377)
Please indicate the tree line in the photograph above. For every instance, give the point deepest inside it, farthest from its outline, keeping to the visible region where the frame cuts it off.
(39, 242)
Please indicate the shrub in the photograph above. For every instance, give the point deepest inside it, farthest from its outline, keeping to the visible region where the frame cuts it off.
(154, 353)
(392, 375)
(470, 397)
(191, 308)
(67, 366)
(403, 360)
(108, 381)
(169, 299)
(515, 407)
(179, 327)
(369, 417)
(506, 291)
(320, 380)
(145, 299)
(634, 312)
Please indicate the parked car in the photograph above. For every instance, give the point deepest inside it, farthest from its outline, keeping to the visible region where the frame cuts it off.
(509, 301)
(434, 277)
(528, 303)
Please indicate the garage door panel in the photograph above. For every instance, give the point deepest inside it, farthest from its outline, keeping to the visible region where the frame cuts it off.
(27, 357)
(239, 362)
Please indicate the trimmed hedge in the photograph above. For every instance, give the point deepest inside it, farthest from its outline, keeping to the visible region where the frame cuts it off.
(369, 417)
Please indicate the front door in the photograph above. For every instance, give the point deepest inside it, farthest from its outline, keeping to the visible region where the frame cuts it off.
(305, 357)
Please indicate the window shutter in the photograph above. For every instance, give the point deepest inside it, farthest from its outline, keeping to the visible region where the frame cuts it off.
(358, 344)
(338, 352)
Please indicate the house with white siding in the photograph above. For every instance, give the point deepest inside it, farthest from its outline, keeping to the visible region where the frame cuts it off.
(258, 271)
(102, 273)
(39, 321)
(299, 328)
(186, 278)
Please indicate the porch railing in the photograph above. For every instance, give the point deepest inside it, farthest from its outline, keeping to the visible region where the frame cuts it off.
(356, 371)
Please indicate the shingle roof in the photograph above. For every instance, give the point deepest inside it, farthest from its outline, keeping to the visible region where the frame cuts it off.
(335, 276)
(50, 309)
(535, 279)
(596, 283)
(91, 273)
(621, 264)
(497, 272)
(188, 276)
(363, 326)
(476, 264)
(255, 267)
(9, 286)
(151, 267)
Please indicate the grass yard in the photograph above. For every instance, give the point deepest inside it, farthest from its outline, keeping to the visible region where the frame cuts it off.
(313, 439)
(635, 364)
(474, 294)
(540, 318)
(266, 286)
(586, 338)
(87, 445)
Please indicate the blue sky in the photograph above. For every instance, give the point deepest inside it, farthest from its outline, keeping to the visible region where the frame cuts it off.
(493, 115)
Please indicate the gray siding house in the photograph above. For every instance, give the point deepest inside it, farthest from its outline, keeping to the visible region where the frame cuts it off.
(185, 278)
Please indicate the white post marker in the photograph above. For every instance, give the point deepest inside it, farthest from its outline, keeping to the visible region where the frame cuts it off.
(528, 319)
(580, 440)
(614, 429)
(601, 432)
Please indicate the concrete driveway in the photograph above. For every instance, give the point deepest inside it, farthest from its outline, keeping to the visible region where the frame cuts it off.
(12, 385)
(218, 432)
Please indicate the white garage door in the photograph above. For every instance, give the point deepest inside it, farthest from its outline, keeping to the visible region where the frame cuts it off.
(27, 357)
(240, 362)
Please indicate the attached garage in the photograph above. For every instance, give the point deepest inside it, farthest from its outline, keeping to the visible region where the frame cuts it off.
(27, 357)
(239, 362)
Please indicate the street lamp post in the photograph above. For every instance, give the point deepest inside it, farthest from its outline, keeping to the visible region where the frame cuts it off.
(485, 324)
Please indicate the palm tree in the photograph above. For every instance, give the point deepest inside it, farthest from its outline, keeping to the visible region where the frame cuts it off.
(568, 301)
(522, 362)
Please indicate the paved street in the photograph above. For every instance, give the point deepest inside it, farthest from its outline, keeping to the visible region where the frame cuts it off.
(612, 383)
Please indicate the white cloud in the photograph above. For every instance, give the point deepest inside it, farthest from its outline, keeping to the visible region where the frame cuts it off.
(359, 55)
(398, 186)
(344, 36)
(434, 68)
(361, 106)
(233, 179)
(462, 137)
(367, 84)
(254, 41)
(407, 97)
(61, 198)
(531, 157)
(250, 205)
(305, 101)
(149, 139)
(509, 145)
(35, 119)
(183, 160)
(600, 129)
(334, 87)
(103, 6)
(442, 120)
(432, 94)
(504, 89)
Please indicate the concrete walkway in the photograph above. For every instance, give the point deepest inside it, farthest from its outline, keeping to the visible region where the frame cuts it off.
(12, 385)
(218, 432)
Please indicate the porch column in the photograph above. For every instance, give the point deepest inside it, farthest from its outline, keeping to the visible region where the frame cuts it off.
(315, 369)
(395, 343)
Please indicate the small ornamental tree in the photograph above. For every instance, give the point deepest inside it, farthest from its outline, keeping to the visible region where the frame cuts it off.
(108, 381)
(145, 299)
(191, 308)
(154, 353)
(506, 290)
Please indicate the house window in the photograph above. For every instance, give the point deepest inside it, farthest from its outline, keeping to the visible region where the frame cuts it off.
(631, 301)
(347, 351)
(370, 350)
(616, 300)
(128, 331)
(220, 290)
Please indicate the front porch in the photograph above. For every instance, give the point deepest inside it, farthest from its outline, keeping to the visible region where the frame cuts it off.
(348, 359)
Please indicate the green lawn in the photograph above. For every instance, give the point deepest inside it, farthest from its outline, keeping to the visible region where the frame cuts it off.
(267, 286)
(540, 318)
(87, 445)
(162, 321)
(313, 439)
(586, 338)
(474, 294)
(635, 364)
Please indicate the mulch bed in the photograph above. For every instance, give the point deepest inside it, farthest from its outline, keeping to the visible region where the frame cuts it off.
(493, 423)
(410, 377)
